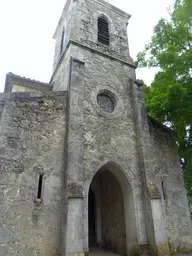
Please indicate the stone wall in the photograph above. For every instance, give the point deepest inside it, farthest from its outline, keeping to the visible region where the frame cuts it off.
(113, 137)
(97, 138)
(2, 102)
(112, 214)
(66, 23)
(32, 139)
(60, 79)
(169, 178)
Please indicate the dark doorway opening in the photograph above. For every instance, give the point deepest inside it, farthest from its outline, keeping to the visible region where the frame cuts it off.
(92, 220)
(106, 214)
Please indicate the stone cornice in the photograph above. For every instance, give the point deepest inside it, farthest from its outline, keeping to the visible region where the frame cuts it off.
(113, 8)
(71, 42)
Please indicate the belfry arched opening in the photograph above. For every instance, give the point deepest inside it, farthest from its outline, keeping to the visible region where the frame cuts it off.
(106, 211)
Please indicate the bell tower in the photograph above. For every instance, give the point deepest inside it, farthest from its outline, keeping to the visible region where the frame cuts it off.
(88, 27)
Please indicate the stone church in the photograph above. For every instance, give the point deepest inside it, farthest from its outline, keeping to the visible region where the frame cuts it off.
(83, 169)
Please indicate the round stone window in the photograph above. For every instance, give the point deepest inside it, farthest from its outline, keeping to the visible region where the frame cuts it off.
(106, 102)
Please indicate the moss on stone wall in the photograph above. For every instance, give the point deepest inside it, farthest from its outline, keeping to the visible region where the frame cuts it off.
(163, 249)
(179, 249)
(135, 252)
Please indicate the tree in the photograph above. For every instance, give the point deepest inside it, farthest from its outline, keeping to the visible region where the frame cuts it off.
(169, 98)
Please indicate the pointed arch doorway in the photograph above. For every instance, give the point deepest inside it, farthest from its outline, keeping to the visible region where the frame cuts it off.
(111, 211)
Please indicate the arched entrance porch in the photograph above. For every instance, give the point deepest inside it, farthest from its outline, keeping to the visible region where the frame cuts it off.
(111, 211)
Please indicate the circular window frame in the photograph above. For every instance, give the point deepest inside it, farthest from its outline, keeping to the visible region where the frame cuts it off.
(110, 97)
(117, 101)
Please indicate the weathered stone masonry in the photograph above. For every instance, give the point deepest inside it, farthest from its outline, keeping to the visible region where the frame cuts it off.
(59, 145)
(32, 139)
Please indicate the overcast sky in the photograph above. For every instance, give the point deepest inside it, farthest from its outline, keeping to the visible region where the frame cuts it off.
(27, 27)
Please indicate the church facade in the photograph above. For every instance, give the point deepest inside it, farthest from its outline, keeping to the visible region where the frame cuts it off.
(83, 168)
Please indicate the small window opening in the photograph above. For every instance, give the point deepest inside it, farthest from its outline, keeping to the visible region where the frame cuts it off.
(164, 190)
(103, 30)
(62, 40)
(40, 185)
(106, 102)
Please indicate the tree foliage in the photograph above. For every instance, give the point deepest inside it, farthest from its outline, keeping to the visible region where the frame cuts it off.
(169, 98)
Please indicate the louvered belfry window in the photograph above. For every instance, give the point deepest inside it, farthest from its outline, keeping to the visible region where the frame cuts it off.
(103, 30)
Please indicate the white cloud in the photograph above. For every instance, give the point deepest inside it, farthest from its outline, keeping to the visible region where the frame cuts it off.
(26, 27)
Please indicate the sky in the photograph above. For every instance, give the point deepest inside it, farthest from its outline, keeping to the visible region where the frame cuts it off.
(27, 27)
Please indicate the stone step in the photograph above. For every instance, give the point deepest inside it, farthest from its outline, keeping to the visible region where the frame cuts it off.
(101, 252)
